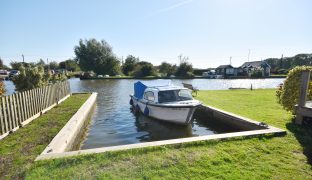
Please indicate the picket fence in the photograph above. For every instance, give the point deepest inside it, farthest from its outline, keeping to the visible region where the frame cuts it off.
(20, 107)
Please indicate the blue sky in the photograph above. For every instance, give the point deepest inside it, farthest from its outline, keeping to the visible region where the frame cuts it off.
(207, 31)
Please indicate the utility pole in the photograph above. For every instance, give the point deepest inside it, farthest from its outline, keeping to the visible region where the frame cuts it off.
(248, 54)
(230, 60)
(23, 58)
(180, 58)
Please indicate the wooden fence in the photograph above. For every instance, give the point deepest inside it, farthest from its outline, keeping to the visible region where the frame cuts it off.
(23, 106)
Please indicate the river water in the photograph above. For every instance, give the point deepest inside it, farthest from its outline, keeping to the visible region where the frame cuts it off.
(114, 124)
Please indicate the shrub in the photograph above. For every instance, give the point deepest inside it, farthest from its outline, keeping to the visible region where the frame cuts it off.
(256, 74)
(143, 69)
(288, 93)
(57, 77)
(185, 69)
(31, 77)
(2, 88)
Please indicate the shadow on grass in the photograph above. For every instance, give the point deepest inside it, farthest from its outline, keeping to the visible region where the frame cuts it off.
(303, 135)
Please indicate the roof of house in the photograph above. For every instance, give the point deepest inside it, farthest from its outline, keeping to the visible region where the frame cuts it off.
(255, 64)
(224, 66)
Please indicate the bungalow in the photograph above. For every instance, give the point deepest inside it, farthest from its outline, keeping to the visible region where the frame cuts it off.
(225, 70)
(256, 66)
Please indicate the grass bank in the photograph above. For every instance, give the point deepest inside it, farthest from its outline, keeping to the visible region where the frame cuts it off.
(19, 150)
(252, 158)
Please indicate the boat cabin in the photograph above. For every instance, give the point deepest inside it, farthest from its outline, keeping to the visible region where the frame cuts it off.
(163, 92)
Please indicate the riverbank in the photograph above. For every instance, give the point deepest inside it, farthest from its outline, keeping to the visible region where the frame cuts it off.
(195, 77)
(263, 157)
(19, 150)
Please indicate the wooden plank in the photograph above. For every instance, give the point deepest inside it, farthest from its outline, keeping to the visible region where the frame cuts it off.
(46, 96)
(49, 96)
(2, 126)
(5, 114)
(10, 114)
(54, 94)
(57, 92)
(24, 106)
(40, 96)
(43, 98)
(37, 100)
(14, 119)
(20, 105)
(20, 108)
(15, 108)
(305, 78)
(27, 104)
(32, 102)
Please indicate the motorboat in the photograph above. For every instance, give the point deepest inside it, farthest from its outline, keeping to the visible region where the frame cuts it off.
(162, 100)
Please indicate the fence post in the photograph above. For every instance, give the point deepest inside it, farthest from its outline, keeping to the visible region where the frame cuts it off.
(2, 128)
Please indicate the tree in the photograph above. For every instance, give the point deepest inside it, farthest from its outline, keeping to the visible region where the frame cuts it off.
(185, 68)
(96, 56)
(30, 77)
(1, 64)
(129, 65)
(287, 63)
(70, 65)
(143, 69)
(53, 65)
(16, 65)
(40, 62)
(167, 68)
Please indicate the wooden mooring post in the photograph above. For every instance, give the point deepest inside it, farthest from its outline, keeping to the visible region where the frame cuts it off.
(302, 110)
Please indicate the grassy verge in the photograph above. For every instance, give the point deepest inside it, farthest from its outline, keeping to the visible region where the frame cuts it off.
(252, 158)
(18, 150)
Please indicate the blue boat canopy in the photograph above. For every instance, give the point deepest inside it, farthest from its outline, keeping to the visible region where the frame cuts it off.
(140, 86)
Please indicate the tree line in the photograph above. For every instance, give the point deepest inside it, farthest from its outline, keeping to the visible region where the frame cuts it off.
(284, 64)
(98, 56)
(95, 56)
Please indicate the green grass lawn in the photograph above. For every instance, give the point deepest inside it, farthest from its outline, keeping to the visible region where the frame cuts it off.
(285, 157)
(19, 150)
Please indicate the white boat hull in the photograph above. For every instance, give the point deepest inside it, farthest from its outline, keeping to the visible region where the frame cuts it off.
(175, 114)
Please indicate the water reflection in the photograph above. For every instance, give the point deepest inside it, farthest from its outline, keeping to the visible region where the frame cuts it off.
(160, 130)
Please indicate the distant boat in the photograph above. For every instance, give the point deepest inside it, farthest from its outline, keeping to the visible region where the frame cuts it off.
(164, 101)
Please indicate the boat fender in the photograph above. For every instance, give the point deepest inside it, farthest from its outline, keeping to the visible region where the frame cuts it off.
(146, 111)
(131, 102)
(137, 110)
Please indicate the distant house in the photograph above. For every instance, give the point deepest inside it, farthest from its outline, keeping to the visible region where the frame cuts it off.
(256, 66)
(225, 70)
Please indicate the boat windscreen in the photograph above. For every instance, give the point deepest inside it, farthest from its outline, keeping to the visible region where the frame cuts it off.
(174, 95)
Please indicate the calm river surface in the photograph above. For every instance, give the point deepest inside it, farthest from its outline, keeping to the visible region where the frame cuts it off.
(114, 124)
